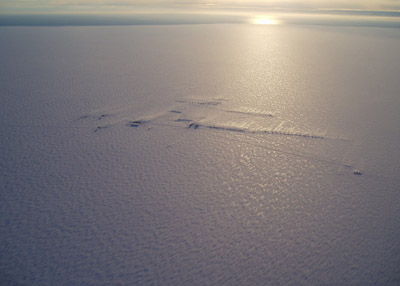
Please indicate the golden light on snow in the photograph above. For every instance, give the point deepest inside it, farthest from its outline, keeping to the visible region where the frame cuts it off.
(264, 20)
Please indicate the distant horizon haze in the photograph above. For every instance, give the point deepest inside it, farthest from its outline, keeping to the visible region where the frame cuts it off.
(110, 7)
(191, 16)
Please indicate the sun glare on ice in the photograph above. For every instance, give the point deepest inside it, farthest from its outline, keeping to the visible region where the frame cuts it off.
(263, 20)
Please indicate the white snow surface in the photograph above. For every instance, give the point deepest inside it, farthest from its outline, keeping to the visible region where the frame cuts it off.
(200, 155)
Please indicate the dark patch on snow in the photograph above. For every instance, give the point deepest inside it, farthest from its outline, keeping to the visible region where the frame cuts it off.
(193, 125)
(103, 116)
(183, 120)
(200, 102)
(260, 114)
(226, 128)
(98, 128)
(135, 123)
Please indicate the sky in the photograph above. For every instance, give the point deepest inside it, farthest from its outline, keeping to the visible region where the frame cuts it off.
(134, 6)
(139, 12)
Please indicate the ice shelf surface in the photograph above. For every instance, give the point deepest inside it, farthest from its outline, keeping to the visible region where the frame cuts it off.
(200, 155)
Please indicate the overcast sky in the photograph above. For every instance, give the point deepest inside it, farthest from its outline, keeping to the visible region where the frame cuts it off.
(124, 6)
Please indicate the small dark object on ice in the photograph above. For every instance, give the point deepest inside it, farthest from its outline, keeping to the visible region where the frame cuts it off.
(193, 125)
(357, 172)
(135, 123)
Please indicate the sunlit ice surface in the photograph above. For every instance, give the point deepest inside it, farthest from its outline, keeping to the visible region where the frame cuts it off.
(200, 155)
